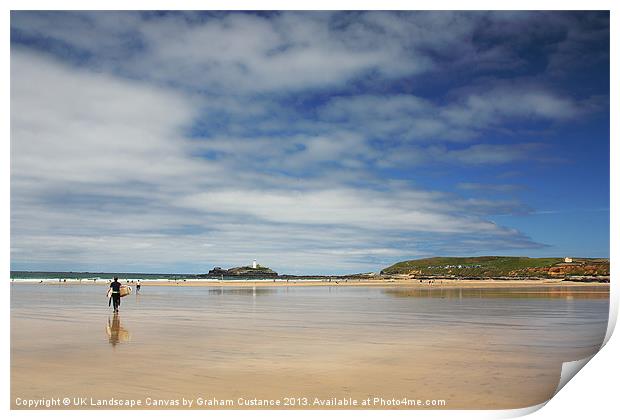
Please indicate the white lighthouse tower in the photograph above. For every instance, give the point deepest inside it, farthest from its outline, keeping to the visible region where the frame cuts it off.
(254, 264)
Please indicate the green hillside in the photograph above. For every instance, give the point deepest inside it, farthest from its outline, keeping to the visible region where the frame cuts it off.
(499, 266)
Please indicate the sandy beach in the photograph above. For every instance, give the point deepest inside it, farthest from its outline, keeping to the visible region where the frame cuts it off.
(402, 282)
(472, 347)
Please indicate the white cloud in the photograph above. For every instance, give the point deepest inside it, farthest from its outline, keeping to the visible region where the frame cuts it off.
(467, 116)
(104, 177)
(501, 102)
(230, 52)
(83, 127)
(370, 210)
(247, 53)
(471, 155)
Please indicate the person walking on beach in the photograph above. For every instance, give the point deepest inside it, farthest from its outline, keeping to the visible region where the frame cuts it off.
(137, 286)
(116, 293)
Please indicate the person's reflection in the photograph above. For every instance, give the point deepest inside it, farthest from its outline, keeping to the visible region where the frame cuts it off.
(116, 332)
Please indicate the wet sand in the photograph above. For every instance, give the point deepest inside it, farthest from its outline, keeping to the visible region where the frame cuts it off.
(352, 282)
(472, 346)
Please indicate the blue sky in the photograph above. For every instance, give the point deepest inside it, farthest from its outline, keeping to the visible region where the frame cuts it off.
(313, 142)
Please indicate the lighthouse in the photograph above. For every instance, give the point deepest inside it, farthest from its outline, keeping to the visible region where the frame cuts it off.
(254, 264)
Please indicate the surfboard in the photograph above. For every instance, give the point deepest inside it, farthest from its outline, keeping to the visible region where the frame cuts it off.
(125, 291)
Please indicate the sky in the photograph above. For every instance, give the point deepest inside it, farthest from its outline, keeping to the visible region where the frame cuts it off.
(314, 142)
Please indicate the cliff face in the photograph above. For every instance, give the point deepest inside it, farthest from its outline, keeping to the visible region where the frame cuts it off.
(261, 272)
(562, 270)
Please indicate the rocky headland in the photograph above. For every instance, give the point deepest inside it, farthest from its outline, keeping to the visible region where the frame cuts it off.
(245, 272)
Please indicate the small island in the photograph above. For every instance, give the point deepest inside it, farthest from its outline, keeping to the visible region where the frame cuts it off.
(254, 271)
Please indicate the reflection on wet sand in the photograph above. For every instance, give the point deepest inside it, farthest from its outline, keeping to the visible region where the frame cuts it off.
(247, 291)
(549, 292)
(474, 348)
(116, 332)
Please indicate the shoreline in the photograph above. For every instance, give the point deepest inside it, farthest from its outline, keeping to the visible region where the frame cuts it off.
(387, 282)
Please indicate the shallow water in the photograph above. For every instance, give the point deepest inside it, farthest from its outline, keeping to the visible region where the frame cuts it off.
(473, 348)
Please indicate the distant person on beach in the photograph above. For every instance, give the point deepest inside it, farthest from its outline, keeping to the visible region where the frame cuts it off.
(137, 286)
(116, 293)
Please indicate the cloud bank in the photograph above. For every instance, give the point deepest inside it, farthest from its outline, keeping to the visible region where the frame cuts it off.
(179, 141)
